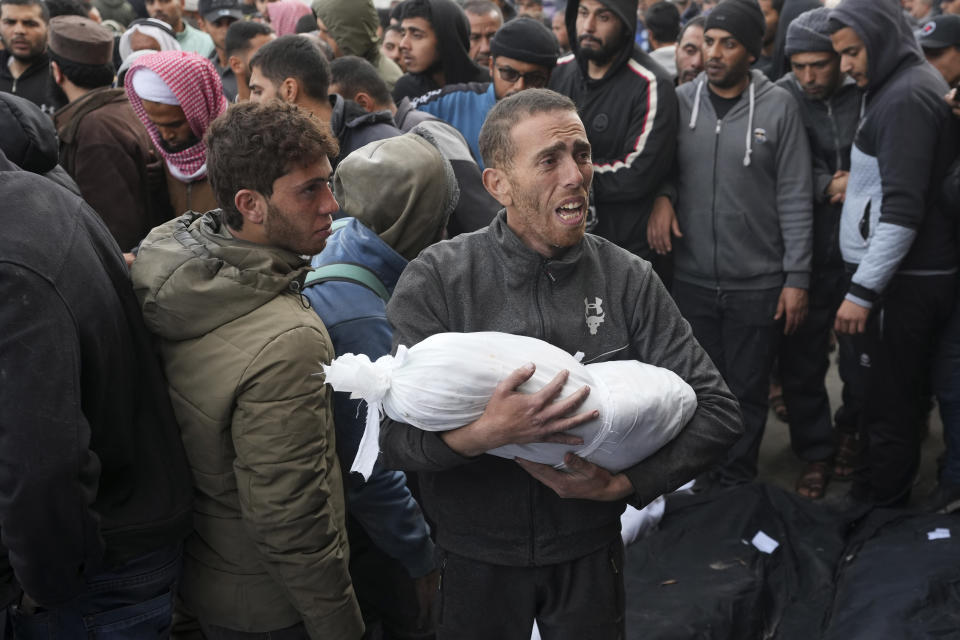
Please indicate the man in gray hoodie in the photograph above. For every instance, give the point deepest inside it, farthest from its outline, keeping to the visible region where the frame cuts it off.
(744, 205)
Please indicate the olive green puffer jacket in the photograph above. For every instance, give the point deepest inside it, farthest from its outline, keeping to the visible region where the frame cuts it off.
(241, 351)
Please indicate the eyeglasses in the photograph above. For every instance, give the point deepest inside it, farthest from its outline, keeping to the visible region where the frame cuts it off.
(533, 79)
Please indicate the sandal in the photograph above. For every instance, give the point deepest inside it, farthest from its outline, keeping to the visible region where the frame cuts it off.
(779, 407)
(847, 457)
(812, 483)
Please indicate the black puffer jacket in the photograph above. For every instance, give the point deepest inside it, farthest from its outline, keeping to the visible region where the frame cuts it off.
(92, 468)
(29, 140)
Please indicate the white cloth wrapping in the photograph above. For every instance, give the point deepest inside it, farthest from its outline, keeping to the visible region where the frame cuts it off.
(446, 381)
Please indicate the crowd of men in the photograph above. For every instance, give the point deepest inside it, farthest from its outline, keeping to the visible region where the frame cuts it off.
(205, 202)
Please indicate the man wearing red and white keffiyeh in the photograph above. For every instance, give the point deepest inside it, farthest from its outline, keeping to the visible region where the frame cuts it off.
(177, 83)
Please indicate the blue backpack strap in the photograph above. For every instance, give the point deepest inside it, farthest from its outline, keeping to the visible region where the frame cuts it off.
(348, 272)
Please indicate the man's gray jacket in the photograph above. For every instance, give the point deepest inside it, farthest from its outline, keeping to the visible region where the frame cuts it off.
(744, 190)
(489, 508)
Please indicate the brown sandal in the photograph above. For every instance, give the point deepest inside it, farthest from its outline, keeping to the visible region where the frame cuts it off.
(779, 407)
(812, 483)
(847, 457)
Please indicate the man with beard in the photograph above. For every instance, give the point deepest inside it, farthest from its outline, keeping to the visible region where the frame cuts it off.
(517, 538)
(523, 54)
(744, 218)
(222, 291)
(830, 107)
(629, 108)
(103, 146)
(244, 39)
(435, 48)
(24, 63)
(690, 51)
(177, 95)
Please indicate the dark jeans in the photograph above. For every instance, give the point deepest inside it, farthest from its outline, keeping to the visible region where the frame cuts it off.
(296, 632)
(385, 591)
(896, 354)
(946, 383)
(804, 360)
(130, 602)
(573, 600)
(738, 332)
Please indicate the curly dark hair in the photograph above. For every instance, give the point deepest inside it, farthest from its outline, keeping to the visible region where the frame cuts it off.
(251, 145)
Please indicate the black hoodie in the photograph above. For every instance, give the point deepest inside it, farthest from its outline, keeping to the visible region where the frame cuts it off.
(452, 28)
(631, 120)
(33, 84)
(906, 141)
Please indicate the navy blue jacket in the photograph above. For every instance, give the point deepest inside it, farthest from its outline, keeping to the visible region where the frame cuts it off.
(356, 320)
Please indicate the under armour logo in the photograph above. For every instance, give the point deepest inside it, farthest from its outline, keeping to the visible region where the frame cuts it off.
(594, 314)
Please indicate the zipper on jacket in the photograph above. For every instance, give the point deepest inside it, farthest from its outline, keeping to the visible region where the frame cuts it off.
(536, 297)
(713, 205)
(836, 135)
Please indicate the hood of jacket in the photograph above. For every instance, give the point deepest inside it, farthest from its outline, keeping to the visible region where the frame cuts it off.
(626, 10)
(353, 24)
(883, 27)
(357, 244)
(450, 24)
(759, 86)
(192, 276)
(27, 135)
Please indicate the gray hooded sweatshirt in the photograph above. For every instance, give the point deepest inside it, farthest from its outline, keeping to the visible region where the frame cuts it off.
(744, 190)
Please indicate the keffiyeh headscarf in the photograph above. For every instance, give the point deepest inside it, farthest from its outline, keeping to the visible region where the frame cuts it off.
(156, 29)
(185, 79)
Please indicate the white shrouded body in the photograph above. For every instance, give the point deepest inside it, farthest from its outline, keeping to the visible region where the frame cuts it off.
(446, 381)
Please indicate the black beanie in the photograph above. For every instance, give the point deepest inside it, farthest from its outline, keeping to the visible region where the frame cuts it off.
(743, 19)
(526, 40)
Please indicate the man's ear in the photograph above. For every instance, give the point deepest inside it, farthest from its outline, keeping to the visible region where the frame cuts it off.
(56, 72)
(364, 100)
(289, 90)
(496, 183)
(251, 205)
(236, 65)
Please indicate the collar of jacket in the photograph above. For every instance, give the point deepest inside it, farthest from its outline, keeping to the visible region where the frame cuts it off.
(42, 62)
(69, 117)
(192, 275)
(522, 261)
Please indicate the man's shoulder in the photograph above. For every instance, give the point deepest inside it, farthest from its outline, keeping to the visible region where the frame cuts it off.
(470, 92)
(282, 328)
(465, 247)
